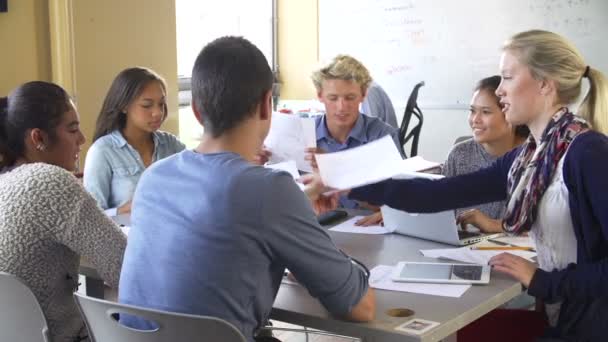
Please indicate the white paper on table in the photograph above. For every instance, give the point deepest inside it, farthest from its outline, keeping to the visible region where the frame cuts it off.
(349, 227)
(289, 167)
(466, 254)
(366, 164)
(418, 164)
(380, 278)
(520, 241)
(288, 137)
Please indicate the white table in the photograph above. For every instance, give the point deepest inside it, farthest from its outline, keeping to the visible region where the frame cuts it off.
(295, 305)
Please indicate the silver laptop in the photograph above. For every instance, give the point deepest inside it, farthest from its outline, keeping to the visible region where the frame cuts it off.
(440, 227)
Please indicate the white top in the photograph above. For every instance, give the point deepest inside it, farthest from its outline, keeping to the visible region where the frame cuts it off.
(553, 232)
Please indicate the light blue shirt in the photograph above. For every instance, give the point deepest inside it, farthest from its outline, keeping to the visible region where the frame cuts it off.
(379, 105)
(366, 129)
(212, 234)
(113, 167)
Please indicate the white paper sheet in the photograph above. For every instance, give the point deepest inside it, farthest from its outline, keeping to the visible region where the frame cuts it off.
(418, 164)
(380, 278)
(287, 166)
(411, 175)
(521, 241)
(349, 227)
(466, 254)
(366, 164)
(122, 219)
(288, 137)
(290, 167)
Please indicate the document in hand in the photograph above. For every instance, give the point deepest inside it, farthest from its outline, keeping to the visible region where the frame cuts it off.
(366, 164)
(288, 137)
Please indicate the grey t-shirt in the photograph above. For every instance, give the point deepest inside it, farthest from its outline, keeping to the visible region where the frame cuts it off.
(466, 157)
(212, 235)
(378, 104)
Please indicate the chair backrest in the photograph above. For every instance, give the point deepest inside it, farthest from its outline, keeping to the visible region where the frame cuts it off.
(100, 318)
(411, 109)
(21, 318)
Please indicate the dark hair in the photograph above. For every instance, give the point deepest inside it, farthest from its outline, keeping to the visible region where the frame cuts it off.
(125, 88)
(229, 78)
(490, 84)
(32, 105)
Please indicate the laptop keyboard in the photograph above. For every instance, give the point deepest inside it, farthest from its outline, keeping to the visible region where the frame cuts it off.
(464, 234)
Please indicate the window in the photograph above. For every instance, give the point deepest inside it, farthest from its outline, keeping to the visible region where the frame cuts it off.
(199, 22)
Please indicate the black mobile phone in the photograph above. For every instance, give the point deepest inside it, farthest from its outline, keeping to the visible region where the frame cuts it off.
(331, 217)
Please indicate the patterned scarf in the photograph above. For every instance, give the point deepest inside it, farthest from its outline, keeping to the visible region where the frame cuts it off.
(533, 170)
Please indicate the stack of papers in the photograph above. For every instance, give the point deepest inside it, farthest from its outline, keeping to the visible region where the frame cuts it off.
(466, 254)
(350, 227)
(380, 278)
(288, 138)
(370, 163)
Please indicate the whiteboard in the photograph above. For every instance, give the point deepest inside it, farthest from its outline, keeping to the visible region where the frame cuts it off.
(450, 44)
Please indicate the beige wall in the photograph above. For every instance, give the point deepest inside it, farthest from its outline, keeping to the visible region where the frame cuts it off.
(298, 47)
(24, 41)
(111, 35)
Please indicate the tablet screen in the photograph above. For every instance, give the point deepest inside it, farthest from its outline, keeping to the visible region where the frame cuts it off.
(441, 271)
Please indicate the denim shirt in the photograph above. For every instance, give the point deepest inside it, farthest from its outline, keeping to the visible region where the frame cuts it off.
(113, 167)
(366, 129)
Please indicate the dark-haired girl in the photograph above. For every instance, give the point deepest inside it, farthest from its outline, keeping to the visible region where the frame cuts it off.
(127, 138)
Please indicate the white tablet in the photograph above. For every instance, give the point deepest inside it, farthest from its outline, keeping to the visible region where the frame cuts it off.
(449, 273)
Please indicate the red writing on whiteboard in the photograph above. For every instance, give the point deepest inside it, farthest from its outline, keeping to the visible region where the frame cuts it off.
(395, 69)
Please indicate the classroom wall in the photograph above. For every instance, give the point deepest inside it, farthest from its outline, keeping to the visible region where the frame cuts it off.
(298, 47)
(111, 35)
(298, 57)
(24, 41)
(142, 33)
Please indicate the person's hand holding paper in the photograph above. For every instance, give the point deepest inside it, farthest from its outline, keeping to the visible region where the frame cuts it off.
(322, 200)
(309, 156)
(366, 164)
(262, 156)
(288, 138)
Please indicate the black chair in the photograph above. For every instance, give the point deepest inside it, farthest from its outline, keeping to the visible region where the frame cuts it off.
(411, 109)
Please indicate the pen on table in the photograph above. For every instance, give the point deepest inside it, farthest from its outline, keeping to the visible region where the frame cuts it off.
(502, 248)
(508, 244)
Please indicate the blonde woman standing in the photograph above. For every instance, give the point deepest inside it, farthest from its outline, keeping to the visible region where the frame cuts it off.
(555, 186)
